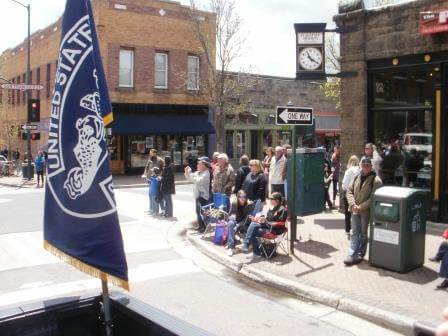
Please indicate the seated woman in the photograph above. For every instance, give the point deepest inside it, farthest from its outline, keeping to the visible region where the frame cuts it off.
(442, 256)
(239, 211)
(262, 224)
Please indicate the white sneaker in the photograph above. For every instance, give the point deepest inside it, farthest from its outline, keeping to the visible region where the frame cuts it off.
(243, 248)
(226, 247)
(253, 257)
(230, 252)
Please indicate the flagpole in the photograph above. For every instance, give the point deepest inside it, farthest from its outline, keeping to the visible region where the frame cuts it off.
(106, 308)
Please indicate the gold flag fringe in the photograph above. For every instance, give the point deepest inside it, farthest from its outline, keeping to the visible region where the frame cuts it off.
(83, 267)
(108, 118)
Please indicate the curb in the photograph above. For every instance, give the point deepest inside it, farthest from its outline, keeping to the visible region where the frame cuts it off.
(390, 320)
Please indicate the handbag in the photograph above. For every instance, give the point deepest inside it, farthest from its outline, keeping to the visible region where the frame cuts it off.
(220, 237)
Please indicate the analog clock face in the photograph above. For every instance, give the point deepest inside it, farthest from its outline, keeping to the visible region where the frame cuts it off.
(310, 58)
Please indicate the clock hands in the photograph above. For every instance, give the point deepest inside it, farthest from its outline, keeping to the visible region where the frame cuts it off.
(311, 59)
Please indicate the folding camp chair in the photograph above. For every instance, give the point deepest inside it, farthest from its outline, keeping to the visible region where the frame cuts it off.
(276, 239)
(213, 212)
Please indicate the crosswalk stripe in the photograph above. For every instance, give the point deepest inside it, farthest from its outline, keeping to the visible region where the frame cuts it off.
(145, 272)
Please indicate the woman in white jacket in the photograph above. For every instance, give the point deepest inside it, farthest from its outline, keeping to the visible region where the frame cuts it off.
(350, 174)
(201, 187)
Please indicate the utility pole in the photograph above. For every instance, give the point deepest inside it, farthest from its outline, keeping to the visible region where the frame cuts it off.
(28, 82)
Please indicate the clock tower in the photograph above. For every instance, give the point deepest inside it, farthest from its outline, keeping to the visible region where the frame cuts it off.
(310, 51)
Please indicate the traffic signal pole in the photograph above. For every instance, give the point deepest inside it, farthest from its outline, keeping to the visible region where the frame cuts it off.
(27, 92)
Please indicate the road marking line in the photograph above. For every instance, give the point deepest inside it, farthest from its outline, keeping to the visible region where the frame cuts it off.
(142, 273)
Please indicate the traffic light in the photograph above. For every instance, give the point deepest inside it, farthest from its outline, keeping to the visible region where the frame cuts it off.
(33, 110)
(34, 136)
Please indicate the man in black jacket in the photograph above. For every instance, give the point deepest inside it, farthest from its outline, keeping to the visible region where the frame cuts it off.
(241, 173)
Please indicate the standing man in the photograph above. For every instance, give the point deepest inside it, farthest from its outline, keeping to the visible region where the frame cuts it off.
(358, 198)
(277, 171)
(39, 163)
(285, 169)
(371, 153)
(223, 176)
(154, 161)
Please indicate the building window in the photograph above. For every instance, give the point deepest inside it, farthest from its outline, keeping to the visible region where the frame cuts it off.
(401, 125)
(126, 68)
(229, 144)
(193, 73)
(161, 71)
(48, 80)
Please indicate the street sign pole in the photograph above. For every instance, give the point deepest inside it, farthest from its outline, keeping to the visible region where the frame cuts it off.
(28, 82)
(293, 217)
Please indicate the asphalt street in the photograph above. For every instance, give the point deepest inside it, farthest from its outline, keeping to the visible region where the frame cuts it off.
(165, 271)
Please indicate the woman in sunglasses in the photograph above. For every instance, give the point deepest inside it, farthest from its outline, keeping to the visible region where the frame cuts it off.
(239, 212)
(261, 224)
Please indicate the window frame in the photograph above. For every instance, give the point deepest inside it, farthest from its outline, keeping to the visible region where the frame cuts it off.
(165, 54)
(132, 68)
(197, 73)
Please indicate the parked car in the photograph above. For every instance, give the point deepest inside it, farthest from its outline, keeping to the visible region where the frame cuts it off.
(421, 142)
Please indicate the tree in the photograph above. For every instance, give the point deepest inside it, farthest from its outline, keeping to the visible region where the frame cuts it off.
(226, 90)
(332, 87)
(9, 128)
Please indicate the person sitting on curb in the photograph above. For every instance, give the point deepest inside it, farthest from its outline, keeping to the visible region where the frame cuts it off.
(239, 210)
(358, 197)
(261, 224)
(442, 257)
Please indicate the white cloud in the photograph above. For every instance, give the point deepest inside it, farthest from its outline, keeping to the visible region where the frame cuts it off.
(269, 25)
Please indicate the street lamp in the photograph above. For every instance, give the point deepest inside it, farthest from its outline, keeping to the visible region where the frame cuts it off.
(28, 82)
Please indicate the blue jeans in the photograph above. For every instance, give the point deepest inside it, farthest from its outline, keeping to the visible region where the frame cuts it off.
(253, 227)
(358, 241)
(231, 233)
(153, 205)
(168, 205)
(257, 232)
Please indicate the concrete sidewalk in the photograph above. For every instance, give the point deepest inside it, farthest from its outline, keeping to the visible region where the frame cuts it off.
(316, 273)
(120, 181)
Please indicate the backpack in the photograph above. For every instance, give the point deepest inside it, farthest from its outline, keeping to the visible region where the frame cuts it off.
(220, 237)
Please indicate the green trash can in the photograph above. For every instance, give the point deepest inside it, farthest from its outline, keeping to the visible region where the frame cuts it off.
(309, 186)
(398, 228)
(27, 173)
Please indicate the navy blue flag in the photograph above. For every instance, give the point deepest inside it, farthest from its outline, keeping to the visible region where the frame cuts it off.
(80, 221)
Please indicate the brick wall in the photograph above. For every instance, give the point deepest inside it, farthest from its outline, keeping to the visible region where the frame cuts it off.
(381, 33)
(140, 27)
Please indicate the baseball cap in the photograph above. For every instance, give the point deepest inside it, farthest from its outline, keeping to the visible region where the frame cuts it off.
(366, 161)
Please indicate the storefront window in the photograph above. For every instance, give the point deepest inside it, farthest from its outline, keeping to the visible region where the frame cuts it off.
(402, 126)
(139, 150)
(283, 138)
(240, 143)
(193, 148)
(268, 138)
(229, 144)
(269, 119)
(112, 146)
(404, 88)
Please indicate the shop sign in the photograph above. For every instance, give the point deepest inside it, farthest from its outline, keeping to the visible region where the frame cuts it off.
(433, 22)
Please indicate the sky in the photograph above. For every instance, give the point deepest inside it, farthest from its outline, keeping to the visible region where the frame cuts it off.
(269, 25)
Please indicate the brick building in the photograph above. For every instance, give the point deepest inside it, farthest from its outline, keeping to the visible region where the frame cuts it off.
(153, 66)
(251, 132)
(398, 94)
